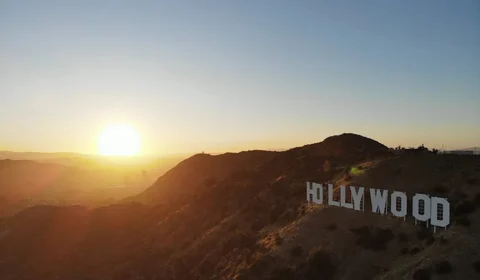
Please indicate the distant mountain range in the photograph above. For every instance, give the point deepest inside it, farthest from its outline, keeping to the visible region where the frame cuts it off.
(28, 179)
(469, 149)
(91, 160)
(475, 150)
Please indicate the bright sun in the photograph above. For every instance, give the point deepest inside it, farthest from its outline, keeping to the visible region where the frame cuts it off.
(119, 140)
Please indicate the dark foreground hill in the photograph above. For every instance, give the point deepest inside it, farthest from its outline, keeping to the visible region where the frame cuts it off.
(244, 216)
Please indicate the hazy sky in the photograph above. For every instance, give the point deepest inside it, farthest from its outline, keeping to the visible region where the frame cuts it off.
(228, 75)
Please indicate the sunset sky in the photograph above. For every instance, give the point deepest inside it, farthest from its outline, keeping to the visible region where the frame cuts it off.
(213, 76)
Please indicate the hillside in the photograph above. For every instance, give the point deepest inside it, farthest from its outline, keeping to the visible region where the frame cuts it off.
(245, 216)
(200, 172)
(203, 170)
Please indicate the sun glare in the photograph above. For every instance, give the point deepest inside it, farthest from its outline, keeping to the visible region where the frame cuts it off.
(119, 140)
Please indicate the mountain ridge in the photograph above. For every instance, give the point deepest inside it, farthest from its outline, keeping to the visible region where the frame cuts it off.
(245, 216)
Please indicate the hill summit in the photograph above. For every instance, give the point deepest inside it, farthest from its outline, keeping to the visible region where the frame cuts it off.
(201, 170)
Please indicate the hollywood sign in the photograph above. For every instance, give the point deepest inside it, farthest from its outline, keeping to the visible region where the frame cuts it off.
(433, 210)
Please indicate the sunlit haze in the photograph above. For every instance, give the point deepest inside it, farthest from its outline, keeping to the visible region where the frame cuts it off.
(217, 76)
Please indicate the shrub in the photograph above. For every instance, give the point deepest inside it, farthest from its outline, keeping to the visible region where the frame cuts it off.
(237, 240)
(402, 237)
(283, 274)
(415, 250)
(206, 268)
(379, 269)
(440, 189)
(302, 265)
(257, 225)
(443, 267)
(332, 227)
(476, 200)
(327, 166)
(421, 274)
(241, 276)
(275, 214)
(476, 266)
(430, 240)
(422, 148)
(472, 181)
(247, 240)
(443, 240)
(210, 181)
(296, 251)
(375, 239)
(301, 210)
(259, 266)
(384, 235)
(398, 171)
(288, 215)
(464, 207)
(320, 266)
(232, 228)
(278, 240)
(424, 233)
(463, 221)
